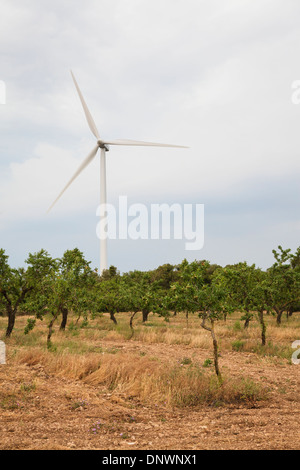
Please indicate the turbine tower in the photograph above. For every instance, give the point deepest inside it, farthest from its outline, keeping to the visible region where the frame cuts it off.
(103, 145)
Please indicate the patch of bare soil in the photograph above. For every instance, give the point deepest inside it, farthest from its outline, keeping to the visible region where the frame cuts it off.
(42, 411)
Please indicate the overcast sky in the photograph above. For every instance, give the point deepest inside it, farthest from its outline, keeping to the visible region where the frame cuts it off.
(215, 75)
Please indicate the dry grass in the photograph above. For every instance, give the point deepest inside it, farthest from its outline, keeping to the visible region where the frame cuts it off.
(146, 379)
(86, 339)
(157, 390)
(83, 354)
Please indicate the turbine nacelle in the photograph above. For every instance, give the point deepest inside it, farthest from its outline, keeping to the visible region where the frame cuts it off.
(103, 145)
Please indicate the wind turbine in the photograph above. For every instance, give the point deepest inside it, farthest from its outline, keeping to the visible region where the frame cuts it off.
(103, 145)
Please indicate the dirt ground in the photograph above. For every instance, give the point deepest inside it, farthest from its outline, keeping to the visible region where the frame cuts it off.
(59, 414)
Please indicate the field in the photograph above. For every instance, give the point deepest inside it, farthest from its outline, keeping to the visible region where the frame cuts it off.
(99, 387)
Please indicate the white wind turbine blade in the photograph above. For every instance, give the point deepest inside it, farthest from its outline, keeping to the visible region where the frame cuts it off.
(139, 143)
(88, 115)
(84, 164)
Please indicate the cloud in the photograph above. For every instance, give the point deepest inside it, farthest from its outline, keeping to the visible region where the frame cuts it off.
(30, 187)
(215, 76)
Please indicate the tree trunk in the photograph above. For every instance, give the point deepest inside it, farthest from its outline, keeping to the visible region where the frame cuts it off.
(215, 346)
(11, 320)
(290, 311)
(247, 317)
(145, 313)
(279, 316)
(50, 330)
(63, 324)
(131, 324)
(113, 318)
(263, 327)
(12, 311)
(216, 352)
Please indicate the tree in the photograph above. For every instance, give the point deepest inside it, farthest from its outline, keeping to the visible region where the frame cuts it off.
(214, 305)
(139, 293)
(107, 297)
(194, 294)
(13, 290)
(165, 274)
(284, 279)
(45, 298)
(63, 285)
(109, 273)
(239, 280)
(17, 284)
(77, 272)
(260, 299)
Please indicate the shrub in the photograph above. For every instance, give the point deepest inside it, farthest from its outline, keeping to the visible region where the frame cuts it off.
(238, 345)
(207, 363)
(237, 326)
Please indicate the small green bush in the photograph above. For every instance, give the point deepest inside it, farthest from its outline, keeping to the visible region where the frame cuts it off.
(238, 345)
(185, 361)
(207, 363)
(237, 326)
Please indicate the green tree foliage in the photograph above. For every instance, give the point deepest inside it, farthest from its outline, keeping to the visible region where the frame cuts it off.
(65, 284)
(50, 288)
(107, 296)
(284, 279)
(239, 280)
(17, 284)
